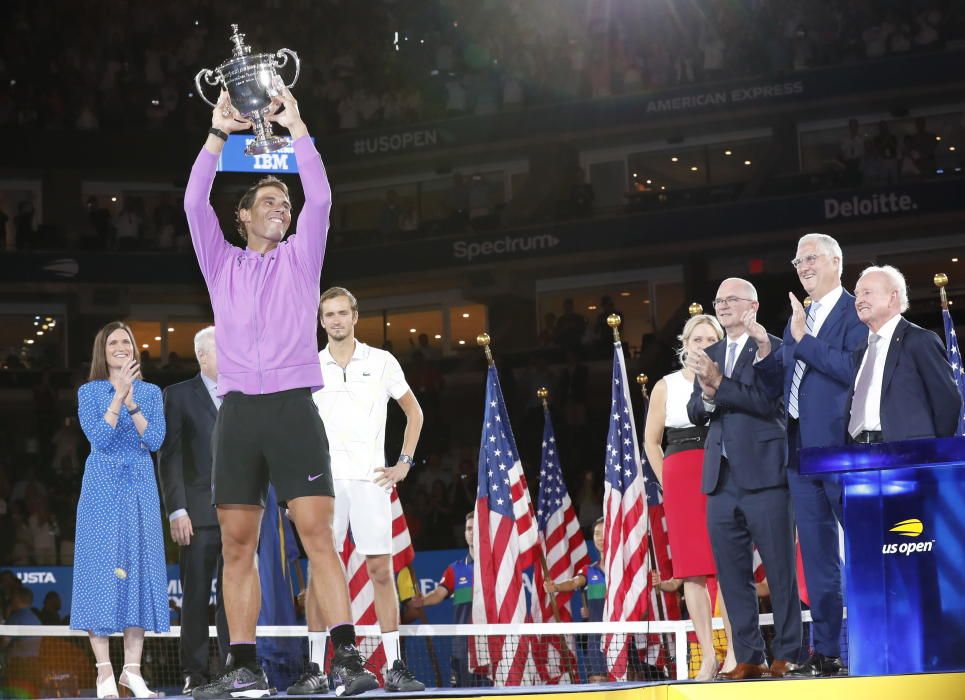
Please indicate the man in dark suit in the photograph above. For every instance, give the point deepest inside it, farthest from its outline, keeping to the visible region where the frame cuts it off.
(904, 388)
(744, 477)
(814, 370)
(190, 409)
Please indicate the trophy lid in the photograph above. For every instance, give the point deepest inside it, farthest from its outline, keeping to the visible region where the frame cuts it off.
(239, 41)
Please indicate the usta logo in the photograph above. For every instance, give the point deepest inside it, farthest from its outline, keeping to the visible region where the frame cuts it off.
(36, 577)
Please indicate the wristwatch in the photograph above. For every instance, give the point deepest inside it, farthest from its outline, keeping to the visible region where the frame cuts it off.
(405, 459)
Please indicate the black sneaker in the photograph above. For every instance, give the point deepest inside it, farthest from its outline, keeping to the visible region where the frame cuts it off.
(399, 679)
(312, 682)
(241, 682)
(349, 672)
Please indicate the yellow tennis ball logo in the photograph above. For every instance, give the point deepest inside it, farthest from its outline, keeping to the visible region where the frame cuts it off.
(908, 528)
(120, 573)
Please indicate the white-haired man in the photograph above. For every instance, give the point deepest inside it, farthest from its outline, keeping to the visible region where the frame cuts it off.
(904, 388)
(814, 371)
(184, 469)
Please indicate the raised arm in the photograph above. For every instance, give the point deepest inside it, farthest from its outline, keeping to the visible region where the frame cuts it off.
(311, 229)
(206, 236)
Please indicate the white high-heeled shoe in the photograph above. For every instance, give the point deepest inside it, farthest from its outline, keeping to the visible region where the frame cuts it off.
(135, 683)
(106, 688)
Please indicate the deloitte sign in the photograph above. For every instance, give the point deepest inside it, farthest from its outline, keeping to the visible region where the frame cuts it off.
(870, 205)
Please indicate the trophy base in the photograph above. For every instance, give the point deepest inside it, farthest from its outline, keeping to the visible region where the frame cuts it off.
(273, 143)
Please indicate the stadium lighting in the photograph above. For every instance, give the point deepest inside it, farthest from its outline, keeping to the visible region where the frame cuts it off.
(40, 332)
(747, 162)
(30, 341)
(693, 168)
(674, 159)
(728, 152)
(951, 148)
(954, 259)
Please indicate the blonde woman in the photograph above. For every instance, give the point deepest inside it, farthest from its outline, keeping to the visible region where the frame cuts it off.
(679, 470)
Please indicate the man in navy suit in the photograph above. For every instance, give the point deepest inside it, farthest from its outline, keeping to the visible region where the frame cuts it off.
(744, 477)
(184, 469)
(904, 388)
(814, 370)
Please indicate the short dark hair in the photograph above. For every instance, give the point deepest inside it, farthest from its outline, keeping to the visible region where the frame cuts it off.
(471, 515)
(247, 200)
(598, 521)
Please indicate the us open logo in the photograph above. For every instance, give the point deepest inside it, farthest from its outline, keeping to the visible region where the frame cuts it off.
(913, 527)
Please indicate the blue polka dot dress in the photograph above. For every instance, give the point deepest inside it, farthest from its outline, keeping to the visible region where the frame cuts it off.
(120, 577)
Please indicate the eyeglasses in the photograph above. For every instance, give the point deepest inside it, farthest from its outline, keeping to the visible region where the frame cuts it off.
(729, 301)
(810, 259)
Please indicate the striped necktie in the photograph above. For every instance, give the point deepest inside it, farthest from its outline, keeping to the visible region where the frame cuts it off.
(799, 367)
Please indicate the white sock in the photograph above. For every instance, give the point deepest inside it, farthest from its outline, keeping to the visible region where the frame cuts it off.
(316, 648)
(390, 641)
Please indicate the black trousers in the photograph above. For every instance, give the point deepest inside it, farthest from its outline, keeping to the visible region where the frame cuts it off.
(200, 562)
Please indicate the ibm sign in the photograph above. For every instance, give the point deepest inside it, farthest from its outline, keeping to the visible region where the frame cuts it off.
(234, 160)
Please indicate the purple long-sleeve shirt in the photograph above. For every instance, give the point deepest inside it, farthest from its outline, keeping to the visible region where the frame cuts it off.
(265, 306)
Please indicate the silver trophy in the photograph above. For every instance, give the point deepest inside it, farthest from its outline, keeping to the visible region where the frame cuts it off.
(250, 81)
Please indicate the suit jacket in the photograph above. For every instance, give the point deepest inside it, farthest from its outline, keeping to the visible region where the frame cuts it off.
(919, 396)
(185, 457)
(828, 380)
(748, 420)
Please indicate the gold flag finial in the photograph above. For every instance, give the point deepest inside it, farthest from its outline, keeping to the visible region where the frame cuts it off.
(642, 380)
(543, 395)
(614, 321)
(941, 281)
(695, 309)
(483, 340)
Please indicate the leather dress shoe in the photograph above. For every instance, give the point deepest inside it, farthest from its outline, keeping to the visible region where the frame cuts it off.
(743, 672)
(192, 681)
(781, 667)
(818, 665)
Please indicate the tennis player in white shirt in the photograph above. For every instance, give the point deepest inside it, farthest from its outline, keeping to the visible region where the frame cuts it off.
(359, 381)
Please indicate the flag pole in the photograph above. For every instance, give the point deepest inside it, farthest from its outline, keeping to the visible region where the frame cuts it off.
(941, 281)
(543, 395)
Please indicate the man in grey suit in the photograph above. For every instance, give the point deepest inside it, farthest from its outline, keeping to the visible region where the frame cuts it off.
(190, 409)
(745, 479)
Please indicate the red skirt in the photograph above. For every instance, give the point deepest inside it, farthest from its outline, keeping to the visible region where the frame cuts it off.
(686, 511)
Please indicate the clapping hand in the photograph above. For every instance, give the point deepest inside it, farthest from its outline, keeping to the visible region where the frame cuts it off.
(124, 379)
(707, 371)
(798, 318)
(756, 331)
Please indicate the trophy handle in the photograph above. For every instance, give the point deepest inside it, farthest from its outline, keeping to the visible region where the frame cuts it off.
(283, 54)
(207, 73)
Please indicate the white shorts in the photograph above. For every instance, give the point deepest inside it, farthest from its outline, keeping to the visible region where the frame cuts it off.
(367, 507)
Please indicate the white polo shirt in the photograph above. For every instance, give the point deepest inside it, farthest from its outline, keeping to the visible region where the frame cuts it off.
(353, 404)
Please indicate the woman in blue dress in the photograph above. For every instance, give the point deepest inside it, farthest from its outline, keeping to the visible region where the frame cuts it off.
(120, 577)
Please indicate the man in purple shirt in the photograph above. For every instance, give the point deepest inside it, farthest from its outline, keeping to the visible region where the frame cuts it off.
(265, 298)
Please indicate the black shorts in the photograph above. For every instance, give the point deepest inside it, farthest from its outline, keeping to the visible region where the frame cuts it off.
(269, 437)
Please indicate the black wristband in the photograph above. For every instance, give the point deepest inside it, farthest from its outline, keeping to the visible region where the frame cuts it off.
(133, 411)
(219, 133)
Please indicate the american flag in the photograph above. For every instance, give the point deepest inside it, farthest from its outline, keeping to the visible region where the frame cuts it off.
(360, 587)
(565, 552)
(955, 359)
(504, 539)
(625, 513)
